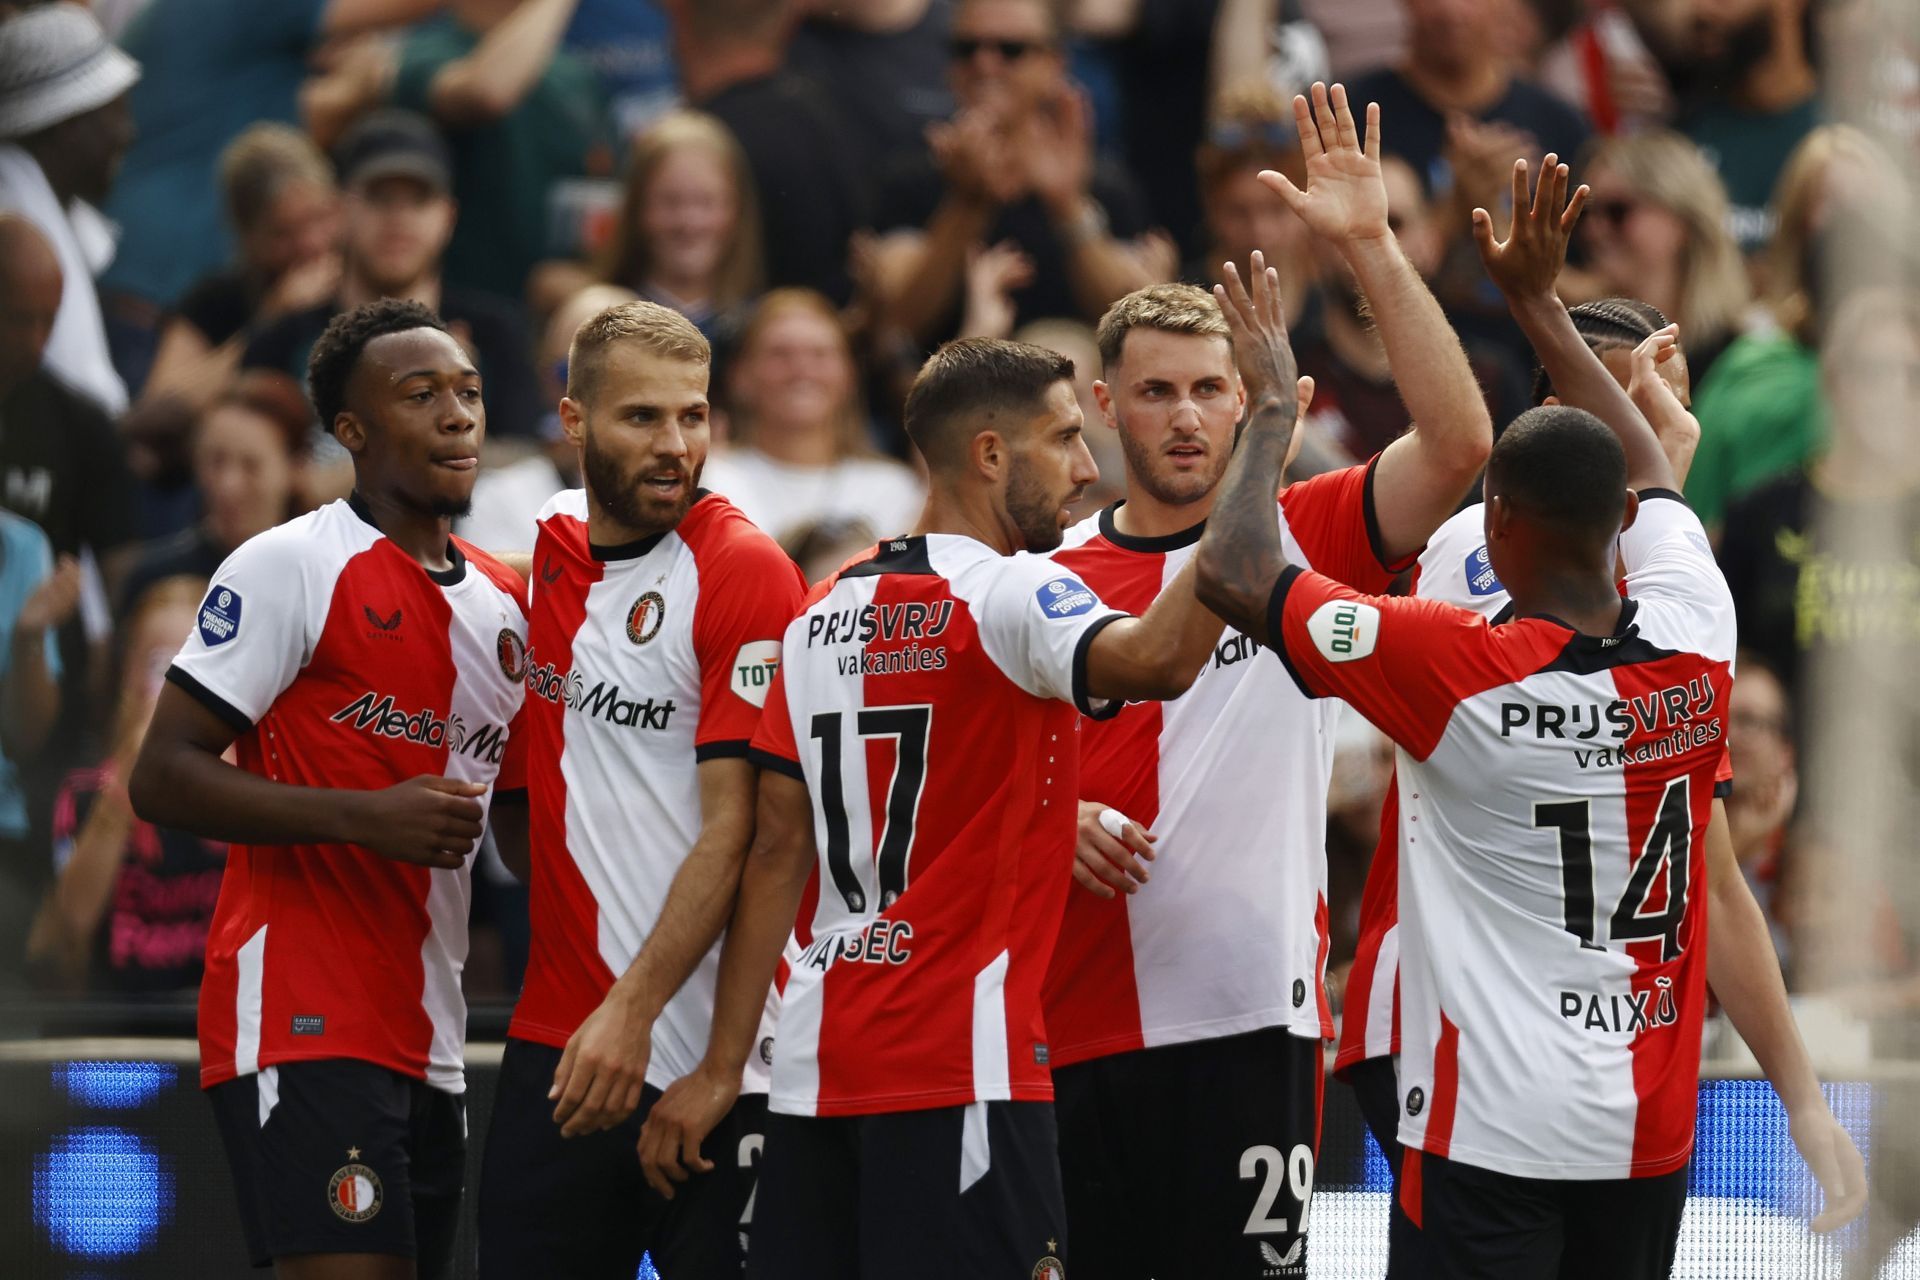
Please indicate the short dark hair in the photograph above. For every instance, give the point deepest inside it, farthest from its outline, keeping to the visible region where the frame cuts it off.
(1563, 468)
(1609, 324)
(966, 386)
(337, 352)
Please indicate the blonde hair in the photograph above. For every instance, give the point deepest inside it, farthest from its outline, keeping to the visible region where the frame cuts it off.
(628, 258)
(1169, 308)
(1798, 200)
(1671, 172)
(260, 163)
(658, 329)
(851, 432)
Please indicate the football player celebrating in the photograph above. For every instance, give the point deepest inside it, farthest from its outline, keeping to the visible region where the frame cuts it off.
(365, 667)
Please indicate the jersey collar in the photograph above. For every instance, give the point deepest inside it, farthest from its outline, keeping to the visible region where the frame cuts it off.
(451, 576)
(1135, 542)
(640, 546)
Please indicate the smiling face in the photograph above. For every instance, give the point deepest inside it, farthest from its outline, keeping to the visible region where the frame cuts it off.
(414, 421)
(1048, 468)
(643, 434)
(244, 474)
(1174, 400)
(687, 215)
(794, 373)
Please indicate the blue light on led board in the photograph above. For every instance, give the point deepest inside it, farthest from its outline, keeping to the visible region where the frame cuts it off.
(101, 1192)
(111, 1086)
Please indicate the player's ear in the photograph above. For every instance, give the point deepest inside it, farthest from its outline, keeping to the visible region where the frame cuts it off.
(350, 431)
(1103, 396)
(987, 452)
(1499, 515)
(1633, 510)
(1550, 400)
(573, 421)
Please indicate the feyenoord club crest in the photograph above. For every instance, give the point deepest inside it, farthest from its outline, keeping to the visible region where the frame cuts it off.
(1049, 1268)
(644, 619)
(355, 1192)
(512, 652)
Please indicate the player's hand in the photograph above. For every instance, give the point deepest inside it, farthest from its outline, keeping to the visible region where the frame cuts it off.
(603, 1068)
(1107, 855)
(1650, 385)
(429, 821)
(687, 1112)
(1346, 198)
(1835, 1161)
(1258, 323)
(1526, 264)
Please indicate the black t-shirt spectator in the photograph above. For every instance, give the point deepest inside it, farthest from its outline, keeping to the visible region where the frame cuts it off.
(913, 188)
(188, 553)
(492, 331)
(1412, 129)
(811, 187)
(62, 466)
(219, 305)
(888, 87)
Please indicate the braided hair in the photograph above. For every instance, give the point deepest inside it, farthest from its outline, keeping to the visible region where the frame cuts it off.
(1611, 324)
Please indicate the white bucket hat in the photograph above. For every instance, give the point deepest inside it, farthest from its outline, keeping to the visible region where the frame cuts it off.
(56, 63)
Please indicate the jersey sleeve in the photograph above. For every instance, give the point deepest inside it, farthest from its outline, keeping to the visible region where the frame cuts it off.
(1684, 601)
(1331, 516)
(773, 745)
(737, 627)
(1403, 663)
(1037, 622)
(513, 765)
(256, 628)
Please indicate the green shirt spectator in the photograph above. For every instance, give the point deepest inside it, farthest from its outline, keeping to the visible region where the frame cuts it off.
(1761, 415)
(1749, 148)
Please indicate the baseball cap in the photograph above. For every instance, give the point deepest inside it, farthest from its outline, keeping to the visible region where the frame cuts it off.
(394, 144)
(56, 63)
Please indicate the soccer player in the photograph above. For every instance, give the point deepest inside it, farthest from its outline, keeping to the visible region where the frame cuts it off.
(1555, 777)
(922, 734)
(366, 669)
(657, 611)
(1185, 1021)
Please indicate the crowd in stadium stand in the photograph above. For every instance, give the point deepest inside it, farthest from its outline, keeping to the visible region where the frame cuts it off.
(828, 189)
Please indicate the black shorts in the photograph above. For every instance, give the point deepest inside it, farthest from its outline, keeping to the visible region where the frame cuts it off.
(343, 1156)
(957, 1193)
(1480, 1225)
(1376, 1087)
(1192, 1159)
(580, 1208)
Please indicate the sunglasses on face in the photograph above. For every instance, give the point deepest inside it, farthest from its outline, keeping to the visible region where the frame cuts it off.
(1613, 212)
(1232, 135)
(964, 48)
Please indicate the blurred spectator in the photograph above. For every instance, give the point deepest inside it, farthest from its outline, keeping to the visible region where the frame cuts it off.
(1766, 782)
(247, 452)
(64, 125)
(1656, 228)
(399, 217)
(1016, 165)
(884, 62)
(508, 495)
(212, 69)
(812, 191)
(1603, 68)
(798, 451)
(1456, 111)
(688, 235)
(131, 903)
(628, 45)
(35, 600)
(1748, 95)
(521, 117)
(1761, 413)
(284, 208)
(1798, 592)
(1361, 35)
(1253, 129)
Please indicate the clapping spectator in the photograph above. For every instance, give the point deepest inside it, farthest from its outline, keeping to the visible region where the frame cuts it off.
(64, 125)
(688, 235)
(400, 215)
(1016, 165)
(131, 903)
(284, 208)
(798, 451)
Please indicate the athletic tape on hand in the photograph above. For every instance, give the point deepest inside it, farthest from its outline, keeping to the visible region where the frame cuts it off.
(1114, 822)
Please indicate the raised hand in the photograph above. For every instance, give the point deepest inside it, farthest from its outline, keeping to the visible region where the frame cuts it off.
(1528, 261)
(1650, 386)
(1258, 323)
(1345, 200)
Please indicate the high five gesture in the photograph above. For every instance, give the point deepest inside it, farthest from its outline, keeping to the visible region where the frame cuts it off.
(1345, 197)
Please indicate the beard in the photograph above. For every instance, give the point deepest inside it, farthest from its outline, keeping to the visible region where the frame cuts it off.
(1173, 489)
(1034, 512)
(1742, 48)
(624, 497)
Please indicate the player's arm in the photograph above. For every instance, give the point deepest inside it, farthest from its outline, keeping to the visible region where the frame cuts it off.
(1525, 267)
(1157, 655)
(778, 864)
(1422, 477)
(604, 1065)
(1744, 973)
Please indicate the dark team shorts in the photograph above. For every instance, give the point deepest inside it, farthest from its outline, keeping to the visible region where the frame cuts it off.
(343, 1156)
(1483, 1225)
(1192, 1159)
(1376, 1087)
(956, 1193)
(580, 1208)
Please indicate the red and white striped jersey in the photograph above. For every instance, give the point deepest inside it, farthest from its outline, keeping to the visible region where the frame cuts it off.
(642, 660)
(344, 664)
(927, 696)
(1230, 935)
(1553, 793)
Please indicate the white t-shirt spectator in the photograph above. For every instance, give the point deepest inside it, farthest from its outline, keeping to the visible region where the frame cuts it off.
(785, 500)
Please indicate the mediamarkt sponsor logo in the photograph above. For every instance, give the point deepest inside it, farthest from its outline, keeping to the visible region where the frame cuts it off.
(603, 701)
(428, 728)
